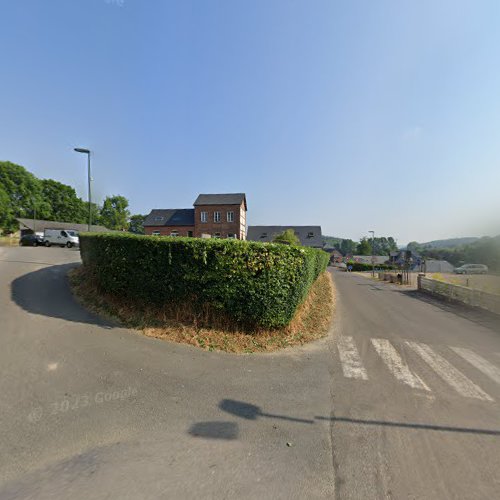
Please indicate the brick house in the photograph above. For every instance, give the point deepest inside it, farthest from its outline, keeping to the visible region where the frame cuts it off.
(213, 215)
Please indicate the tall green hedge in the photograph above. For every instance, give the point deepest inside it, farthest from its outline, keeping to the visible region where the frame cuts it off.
(257, 284)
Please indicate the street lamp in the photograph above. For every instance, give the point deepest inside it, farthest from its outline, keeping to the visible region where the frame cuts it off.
(373, 252)
(87, 152)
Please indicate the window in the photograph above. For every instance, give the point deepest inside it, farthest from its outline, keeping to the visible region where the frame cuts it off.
(63, 233)
(216, 216)
(158, 218)
(230, 216)
(263, 235)
(204, 216)
(155, 233)
(217, 235)
(190, 234)
(174, 233)
(231, 236)
(310, 235)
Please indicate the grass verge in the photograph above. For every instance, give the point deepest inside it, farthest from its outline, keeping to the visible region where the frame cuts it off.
(311, 321)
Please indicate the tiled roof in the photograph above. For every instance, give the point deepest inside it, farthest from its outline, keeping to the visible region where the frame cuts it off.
(309, 236)
(221, 199)
(40, 225)
(170, 217)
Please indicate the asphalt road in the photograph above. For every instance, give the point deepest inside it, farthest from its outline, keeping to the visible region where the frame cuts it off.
(91, 410)
(412, 417)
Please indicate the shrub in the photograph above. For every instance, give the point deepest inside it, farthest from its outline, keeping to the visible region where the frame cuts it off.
(255, 284)
(361, 266)
(287, 237)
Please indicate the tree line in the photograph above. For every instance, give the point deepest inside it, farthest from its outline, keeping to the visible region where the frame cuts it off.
(382, 245)
(486, 251)
(23, 195)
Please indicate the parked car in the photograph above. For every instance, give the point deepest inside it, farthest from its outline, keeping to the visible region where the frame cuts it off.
(31, 240)
(471, 269)
(60, 237)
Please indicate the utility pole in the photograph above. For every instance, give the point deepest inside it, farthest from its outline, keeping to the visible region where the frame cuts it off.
(373, 252)
(87, 152)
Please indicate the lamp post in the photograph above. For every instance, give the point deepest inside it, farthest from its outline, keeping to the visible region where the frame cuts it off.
(373, 252)
(87, 152)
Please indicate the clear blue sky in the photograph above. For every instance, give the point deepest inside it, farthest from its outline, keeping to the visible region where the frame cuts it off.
(355, 115)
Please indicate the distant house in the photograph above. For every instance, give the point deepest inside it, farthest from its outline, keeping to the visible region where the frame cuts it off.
(213, 215)
(438, 266)
(309, 236)
(368, 259)
(335, 255)
(30, 226)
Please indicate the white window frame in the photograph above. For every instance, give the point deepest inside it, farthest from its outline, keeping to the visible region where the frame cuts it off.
(155, 233)
(230, 216)
(174, 231)
(204, 216)
(216, 216)
(217, 236)
(232, 236)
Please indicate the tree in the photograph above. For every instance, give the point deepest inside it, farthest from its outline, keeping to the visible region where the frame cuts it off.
(65, 205)
(364, 247)
(287, 237)
(7, 221)
(347, 247)
(115, 213)
(135, 224)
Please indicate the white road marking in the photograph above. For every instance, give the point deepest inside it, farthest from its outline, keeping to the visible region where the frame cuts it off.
(449, 373)
(479, 362)
(396, 365)
(349, 357)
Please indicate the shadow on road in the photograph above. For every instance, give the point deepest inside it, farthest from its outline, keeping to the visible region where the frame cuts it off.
(474, 314)
(47, 292)
(251, 412)
(215, 430)
(429, 427)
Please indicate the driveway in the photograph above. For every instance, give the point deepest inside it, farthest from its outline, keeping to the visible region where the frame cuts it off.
(91, 410)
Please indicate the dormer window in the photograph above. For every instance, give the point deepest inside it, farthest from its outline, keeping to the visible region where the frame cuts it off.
(310, 235)
(159, 218)
(263, 235)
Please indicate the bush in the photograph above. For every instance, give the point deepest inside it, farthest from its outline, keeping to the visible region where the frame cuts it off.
(255, 284)
(361, 266)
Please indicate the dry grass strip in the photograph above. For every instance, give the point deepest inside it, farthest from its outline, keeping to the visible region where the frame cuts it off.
(180, 324)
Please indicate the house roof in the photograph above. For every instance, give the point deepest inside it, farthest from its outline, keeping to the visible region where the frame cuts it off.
(40, 225)
(221, 199)
(309, 236)
(170, 217)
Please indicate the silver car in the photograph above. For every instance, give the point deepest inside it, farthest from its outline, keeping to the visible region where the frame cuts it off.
(472, 269)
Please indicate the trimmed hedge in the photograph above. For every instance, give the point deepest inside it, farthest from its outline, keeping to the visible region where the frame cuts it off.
(256, 284)
(361, 266)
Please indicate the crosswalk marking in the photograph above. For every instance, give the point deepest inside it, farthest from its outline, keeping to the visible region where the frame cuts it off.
(448, 372)
(479, 362)
(396, 364)
(349, 357)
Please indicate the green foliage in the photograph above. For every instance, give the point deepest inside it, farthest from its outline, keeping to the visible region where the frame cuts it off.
(135, 224)
(114, 213)
(65, 205)
(347, 247)
(361, 266)
(256, 284)
(364, 247)
(482, 251)
(287, 237)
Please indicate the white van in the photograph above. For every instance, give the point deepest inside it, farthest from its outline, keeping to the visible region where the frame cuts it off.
(61, 237)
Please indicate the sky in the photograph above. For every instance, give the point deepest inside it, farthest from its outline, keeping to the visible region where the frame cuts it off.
(352, 115)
